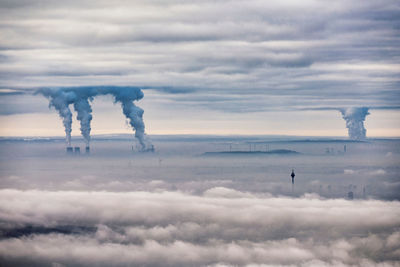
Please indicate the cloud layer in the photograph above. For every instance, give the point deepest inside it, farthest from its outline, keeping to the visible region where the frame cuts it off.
(226, 55)
(221, 227)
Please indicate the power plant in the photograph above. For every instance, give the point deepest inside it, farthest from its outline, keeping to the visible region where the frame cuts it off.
(350, 195)
(70, 150)
(76, 151)
(81, 97)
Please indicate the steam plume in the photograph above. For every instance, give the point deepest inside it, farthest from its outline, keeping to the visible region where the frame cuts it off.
(82, 107)
(355, 118)
(133, 113)
(61, 98)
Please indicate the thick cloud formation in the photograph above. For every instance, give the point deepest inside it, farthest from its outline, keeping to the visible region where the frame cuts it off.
(227, 55)
(175, 229)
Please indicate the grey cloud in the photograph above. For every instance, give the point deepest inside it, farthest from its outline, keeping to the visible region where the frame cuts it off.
(171, 89)
(10, 93)
(217, 47)
(223, 226)
(21, 102)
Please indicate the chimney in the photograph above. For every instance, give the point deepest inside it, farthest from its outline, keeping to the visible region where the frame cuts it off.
(87, 150)
(350, 195)
(77, 150)
(69, 150)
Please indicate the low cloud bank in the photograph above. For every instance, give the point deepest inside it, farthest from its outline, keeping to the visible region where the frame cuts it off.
(222, 226)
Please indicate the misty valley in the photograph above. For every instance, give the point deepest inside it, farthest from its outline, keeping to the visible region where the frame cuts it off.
(329, 168)
(199, 201)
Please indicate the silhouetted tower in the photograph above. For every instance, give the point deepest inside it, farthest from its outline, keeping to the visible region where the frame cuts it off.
(292, 175)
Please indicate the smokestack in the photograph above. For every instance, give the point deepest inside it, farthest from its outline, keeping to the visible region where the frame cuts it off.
(355, 118)
(61, 98)
(70, 150)
(77, 150)
(350, 195)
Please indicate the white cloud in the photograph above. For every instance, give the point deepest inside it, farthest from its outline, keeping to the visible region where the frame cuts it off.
(176, 229)
(377, 172)
(349, 171)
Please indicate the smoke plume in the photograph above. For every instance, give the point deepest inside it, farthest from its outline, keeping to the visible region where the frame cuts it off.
(80, 97)
(61, 100)
(355, 118)
(84, 110)
(133, 113)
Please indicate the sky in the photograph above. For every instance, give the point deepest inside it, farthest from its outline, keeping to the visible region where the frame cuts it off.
(206, 67)
(246, 69)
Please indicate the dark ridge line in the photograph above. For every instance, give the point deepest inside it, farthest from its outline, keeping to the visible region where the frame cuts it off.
(271, 152)
(31, 230)
(196, 138)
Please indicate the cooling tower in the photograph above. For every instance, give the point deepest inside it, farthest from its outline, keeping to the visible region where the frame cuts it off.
(70, 150)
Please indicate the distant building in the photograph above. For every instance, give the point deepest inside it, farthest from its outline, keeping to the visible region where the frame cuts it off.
(350, 195)
(70, 150)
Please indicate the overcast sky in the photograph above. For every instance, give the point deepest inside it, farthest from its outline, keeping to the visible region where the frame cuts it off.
(211, 67)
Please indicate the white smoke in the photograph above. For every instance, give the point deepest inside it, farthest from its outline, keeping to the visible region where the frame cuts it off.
(134, 114)
(84, 111)
(355, 118)
(61, 98)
